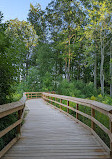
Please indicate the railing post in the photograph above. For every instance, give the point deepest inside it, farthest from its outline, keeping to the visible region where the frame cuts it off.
(28, 95)
(67, 105)
(60, 102)
(77, 108)
(55, 100)
(48, 99)
(110, 139)
(51, 99)
(19, 126)
(92, 115)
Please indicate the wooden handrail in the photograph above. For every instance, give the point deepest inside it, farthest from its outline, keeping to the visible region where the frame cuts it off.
(33, 95)
(94, 105)
(19, 106)
(8, 109)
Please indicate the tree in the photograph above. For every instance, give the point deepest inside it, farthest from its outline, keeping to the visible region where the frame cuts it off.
(98, 14)
(8, 68)
(65, 19)
(37, 18)
(1, 16)
(23, 34)
(111, 69)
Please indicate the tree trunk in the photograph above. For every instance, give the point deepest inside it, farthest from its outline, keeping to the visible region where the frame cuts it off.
(66, 62)
(69, 56)
(101, 67)
(95, 72)
(111, 69)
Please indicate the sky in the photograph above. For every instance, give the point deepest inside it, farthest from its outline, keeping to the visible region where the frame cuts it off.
(12, 9)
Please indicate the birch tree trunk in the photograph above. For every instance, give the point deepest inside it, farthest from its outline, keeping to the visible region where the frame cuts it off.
(101, 66)
(95, 72)
(111, 69)
(69, 59)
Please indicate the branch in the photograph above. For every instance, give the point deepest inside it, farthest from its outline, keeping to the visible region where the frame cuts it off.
(108, 43)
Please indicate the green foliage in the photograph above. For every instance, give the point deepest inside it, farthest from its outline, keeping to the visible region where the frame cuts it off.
(1, 16)
(70, 38)
(76, 89)
(4, 123)
(47, 82)
(17, 96)
(93, 98)
(8, 68)
(37, 19)
(104, 99)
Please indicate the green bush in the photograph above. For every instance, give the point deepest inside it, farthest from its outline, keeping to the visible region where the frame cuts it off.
(4, 123)
(76, 89)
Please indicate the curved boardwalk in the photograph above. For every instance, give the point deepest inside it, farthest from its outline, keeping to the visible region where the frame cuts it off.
(49, 134)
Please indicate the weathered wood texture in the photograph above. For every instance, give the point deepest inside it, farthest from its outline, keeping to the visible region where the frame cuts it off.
(33, 95)
(100, 107)
(50, 134)
(8, 109)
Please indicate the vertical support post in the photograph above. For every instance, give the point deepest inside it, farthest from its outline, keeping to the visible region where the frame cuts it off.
(67, 105)
(77, 108)
(55, 100)
(19, 126)
(31, 95)
(51, 99)
(92, 115)
(110, 139)
(60, 102)
(36, 95)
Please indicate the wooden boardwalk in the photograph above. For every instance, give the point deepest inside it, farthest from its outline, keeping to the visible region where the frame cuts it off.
(49, 134)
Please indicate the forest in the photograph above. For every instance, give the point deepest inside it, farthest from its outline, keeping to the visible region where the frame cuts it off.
(66, 48)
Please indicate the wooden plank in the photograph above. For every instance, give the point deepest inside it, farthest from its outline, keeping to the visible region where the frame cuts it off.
(54, 136)
(67, 105)
(10, 111)
(93, 115)
(87, 127)
(77, 108)
(19, 117)
(62, 157)
(100, 141)
(104, 108)
(93, 120)
(5, 131)
(3, 151)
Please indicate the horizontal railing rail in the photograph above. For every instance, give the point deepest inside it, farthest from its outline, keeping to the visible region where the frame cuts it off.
(8, 109)
(60, 101)
(71, 106)
(19, 109)
(33, 95)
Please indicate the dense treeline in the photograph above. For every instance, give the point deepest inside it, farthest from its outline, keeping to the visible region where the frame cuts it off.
(67, 48)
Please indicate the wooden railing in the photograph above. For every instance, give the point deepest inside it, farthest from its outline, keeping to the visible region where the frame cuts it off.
(18, 108)
(60, 101)
(65, 104)
(8, 109)
(33, 95)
